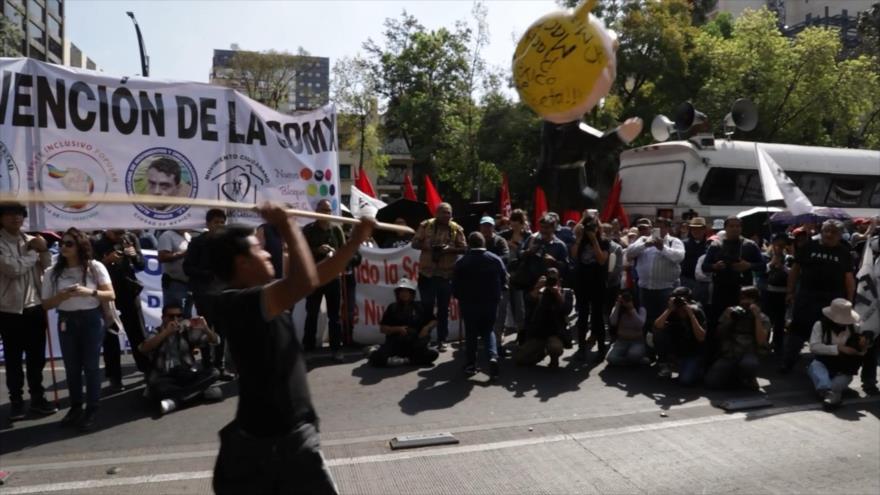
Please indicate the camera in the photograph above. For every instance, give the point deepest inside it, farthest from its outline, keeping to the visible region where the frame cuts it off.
(737, 312)
(679, 302)
(552, 281)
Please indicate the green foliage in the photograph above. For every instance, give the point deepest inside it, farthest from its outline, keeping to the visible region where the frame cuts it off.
(266, 76)
(353, 89)
(11, 38)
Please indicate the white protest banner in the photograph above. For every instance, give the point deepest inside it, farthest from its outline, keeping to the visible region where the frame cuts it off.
(376, 277)
(75, 130)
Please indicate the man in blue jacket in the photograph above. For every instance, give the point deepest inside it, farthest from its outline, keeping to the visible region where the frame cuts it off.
(477, 281)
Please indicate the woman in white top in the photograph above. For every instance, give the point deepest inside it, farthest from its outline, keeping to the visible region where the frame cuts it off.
(837, 349)
(76, 286)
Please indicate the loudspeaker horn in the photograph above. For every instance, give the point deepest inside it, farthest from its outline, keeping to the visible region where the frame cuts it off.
(743, 116)
(686, 116)
(662, 128)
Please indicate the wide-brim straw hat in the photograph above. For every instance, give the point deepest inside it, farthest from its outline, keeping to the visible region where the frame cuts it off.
(841, 312)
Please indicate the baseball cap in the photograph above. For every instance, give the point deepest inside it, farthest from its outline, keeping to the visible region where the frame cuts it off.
(487, 219)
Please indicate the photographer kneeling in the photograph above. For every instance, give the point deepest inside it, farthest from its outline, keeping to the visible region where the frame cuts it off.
(629, 348)
(407, 327)
(679, 334)
(177, 376)
(548, 322)
(741, 331)
(837, 351)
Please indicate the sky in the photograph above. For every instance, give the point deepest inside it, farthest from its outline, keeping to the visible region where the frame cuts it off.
(180, 36)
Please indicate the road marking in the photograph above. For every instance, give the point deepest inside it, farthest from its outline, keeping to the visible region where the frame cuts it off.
(397, 456)
(363, 439)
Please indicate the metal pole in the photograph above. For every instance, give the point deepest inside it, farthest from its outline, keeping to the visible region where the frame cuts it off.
(145, 64)
(363, 131)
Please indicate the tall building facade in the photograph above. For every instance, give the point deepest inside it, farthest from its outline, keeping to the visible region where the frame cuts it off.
(794, 12)
(309, 87)
(42, 26)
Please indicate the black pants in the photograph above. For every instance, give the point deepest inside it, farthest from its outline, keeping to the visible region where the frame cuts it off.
(212, 355)
(289, 464)
(313, 307)
(774, 308)
(132, 317)
(414, 348)
(807, 311)
(869, 367)
(179, 388)
(24, 333)
(591, 301)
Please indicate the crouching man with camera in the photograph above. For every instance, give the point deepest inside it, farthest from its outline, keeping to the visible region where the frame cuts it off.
(742, 330)
(548, 321)
(177, 376)
(679, 334)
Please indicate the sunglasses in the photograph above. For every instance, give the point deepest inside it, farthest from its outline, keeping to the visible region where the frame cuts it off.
(68, 244)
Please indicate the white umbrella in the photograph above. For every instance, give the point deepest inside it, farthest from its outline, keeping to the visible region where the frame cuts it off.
(759, 209)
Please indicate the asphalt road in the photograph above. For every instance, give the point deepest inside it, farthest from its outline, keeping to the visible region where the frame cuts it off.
(579, 429)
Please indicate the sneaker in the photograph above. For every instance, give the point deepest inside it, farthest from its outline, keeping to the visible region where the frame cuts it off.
(212, 394)
(441, 346)
(40, 405)
(832, 399)
(87, 423)
(494, 369)
(554, 362)
(470, 370)
(503, 353)
(116, 386)
(665, 371)
(338, 357)
(73, 416)
(226, 377)
(397, 361)
(166, 406)
(16, 410)
(871, 389)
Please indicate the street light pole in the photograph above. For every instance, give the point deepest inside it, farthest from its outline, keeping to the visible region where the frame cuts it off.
(145, 60)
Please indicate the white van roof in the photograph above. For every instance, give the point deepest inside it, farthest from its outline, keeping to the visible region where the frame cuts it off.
(741, 154)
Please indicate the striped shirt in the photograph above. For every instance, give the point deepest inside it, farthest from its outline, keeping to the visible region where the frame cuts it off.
(657, 269)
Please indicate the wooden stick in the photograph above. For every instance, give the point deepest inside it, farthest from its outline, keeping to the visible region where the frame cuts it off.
(147, 199)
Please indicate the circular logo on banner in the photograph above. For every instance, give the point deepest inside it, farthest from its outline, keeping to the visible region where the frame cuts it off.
(73, 167)
(10, 177)
(162, 172)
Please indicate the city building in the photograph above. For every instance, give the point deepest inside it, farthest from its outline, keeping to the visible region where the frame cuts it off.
(308, 89)
(42, 27)
(74, 57)
(388, 187)
(797, 15)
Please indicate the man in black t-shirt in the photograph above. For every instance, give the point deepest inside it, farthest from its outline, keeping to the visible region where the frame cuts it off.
(272, 445)
(407, 328)
(822, 271)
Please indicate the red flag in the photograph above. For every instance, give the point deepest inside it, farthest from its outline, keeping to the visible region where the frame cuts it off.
(363, 183)
(572, 215)
(540, 205)
(505, 207)
(613, 209)
(408, 192)
(431, 196)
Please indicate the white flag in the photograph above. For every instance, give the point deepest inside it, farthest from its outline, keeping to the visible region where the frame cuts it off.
(777, 185)
(363, 205)
(867, 304)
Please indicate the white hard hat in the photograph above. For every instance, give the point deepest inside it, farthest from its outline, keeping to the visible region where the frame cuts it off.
(405, 283)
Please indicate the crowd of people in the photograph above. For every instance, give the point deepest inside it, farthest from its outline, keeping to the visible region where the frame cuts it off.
(699, 303)
(705, 305)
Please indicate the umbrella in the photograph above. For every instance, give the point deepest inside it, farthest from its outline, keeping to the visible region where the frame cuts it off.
(819, 214)
(755, 220)
(413, 212)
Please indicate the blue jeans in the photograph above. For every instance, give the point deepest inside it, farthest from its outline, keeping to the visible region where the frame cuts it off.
(626, 352)
(479, 322)
(80, 334)
(690, 370)
(178, 293)
(436, 292)
(823, 381)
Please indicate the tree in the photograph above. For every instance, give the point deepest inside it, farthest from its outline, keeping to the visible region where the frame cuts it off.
(424, 77)
(268, 76)
(358, 122)
(11, 38)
